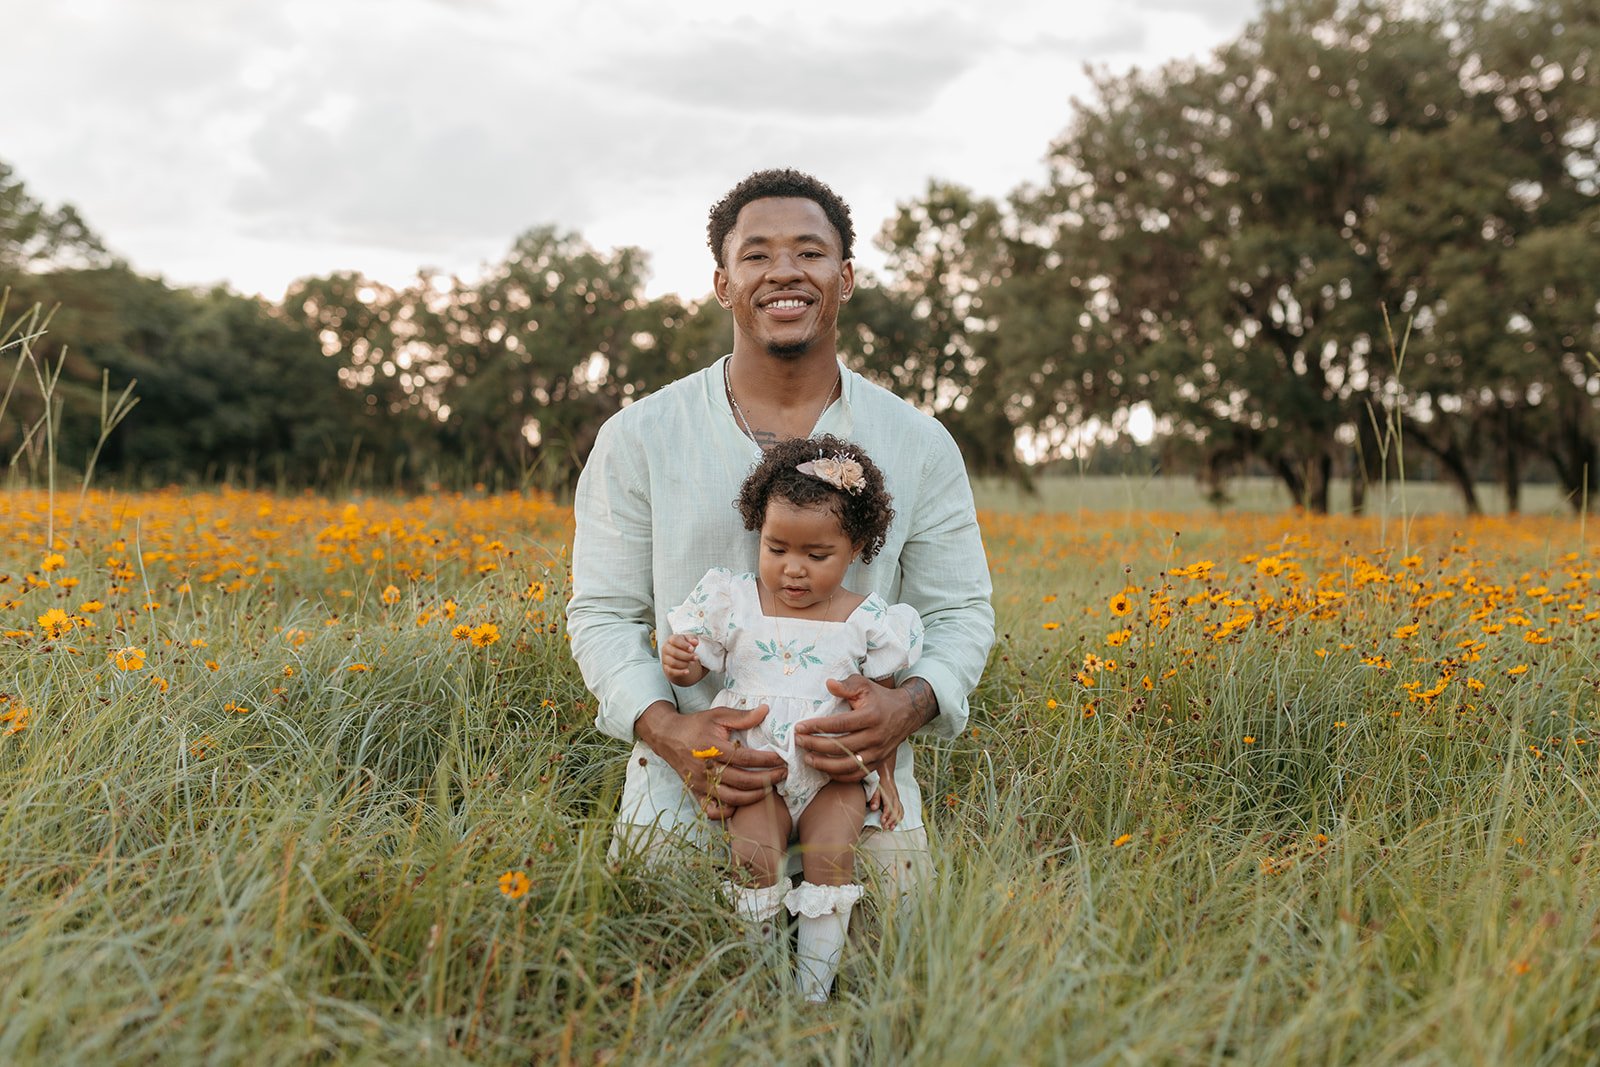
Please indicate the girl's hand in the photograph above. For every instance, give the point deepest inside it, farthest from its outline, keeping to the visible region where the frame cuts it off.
(678, 660)
(885, 800)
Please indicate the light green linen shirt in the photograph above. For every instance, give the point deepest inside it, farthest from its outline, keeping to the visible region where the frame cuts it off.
(654, 511)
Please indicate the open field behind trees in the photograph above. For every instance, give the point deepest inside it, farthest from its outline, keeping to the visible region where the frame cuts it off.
(289, 779)
(1181, 493)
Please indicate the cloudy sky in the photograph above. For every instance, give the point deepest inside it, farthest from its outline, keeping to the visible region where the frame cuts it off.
(257, 142)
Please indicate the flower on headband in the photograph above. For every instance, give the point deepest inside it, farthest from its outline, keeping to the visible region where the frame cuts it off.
(841, 472)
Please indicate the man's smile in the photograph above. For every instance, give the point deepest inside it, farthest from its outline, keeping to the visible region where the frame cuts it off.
(786, 307)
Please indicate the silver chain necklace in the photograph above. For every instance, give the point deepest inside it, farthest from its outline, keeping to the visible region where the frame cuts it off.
(744, 423)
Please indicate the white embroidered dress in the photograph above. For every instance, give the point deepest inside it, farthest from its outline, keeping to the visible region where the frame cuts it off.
(785, 663)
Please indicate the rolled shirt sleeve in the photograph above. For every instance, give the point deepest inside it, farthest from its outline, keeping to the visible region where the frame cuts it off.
(944, 574)
(612, 612)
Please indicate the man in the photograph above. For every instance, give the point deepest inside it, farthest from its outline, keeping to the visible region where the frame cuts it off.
(654, 511)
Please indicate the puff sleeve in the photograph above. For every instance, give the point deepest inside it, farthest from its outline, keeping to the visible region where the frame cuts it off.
(706, 614)
(894, 638)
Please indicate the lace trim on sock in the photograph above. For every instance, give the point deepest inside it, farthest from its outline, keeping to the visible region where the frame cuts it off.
(812, 900)
(754, 903)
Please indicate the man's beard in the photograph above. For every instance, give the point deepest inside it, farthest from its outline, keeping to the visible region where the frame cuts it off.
(789, 348)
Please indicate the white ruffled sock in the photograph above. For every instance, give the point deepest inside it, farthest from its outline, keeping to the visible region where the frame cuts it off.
(756, 905)
(823, 913)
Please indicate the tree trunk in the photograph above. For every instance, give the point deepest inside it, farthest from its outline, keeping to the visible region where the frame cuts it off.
(1448, 451)
(1366, 465)
(1289, 472)
(1358, 487)
(1511, 463)
(1572, 450)
(1320, 481)
(1456, 464)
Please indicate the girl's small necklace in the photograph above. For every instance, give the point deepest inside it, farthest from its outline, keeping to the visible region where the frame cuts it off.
(789, 664)
(744, 423)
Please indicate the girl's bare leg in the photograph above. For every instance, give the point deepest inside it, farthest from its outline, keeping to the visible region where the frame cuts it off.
(759, 837)
(829, 829)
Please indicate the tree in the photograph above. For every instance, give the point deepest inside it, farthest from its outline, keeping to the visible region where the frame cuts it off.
(538, 351)
(226, 387)
(1222, 240)
(927, 329)
(33, 236)
(373, 337)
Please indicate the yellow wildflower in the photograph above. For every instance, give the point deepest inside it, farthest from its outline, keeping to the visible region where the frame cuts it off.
(55, 623)
(515, 884)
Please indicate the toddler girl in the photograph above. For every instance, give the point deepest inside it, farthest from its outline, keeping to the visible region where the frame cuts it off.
(777, 636)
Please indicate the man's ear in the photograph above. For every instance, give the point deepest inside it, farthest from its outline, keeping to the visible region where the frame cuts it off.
(719, 286)
(847, 280)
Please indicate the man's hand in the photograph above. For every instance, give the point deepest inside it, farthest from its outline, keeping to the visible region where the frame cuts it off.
(845, 746)
(678, 661)
(732, 777)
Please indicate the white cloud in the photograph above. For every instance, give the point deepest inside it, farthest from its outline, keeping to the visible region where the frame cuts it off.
(258, 142)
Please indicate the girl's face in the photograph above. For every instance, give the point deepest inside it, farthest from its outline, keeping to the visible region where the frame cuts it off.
(804, 554)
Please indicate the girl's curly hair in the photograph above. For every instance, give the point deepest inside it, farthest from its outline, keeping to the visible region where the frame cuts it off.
(865, 516)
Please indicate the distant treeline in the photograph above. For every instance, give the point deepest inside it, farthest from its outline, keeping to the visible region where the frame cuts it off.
(1358, 232)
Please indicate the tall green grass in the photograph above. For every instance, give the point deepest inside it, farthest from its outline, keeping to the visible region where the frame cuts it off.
(1267, 857)
(317, 879)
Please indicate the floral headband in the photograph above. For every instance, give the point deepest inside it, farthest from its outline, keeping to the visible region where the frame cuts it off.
(839, 471)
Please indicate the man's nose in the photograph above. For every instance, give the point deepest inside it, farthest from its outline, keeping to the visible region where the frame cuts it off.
(784, 266)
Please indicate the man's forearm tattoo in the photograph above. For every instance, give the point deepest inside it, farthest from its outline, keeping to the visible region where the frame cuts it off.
(923, 700)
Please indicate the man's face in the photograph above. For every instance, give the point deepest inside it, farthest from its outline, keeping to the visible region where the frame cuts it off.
(784, 276)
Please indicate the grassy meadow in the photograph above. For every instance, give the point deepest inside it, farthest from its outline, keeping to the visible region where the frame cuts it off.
(293, 780)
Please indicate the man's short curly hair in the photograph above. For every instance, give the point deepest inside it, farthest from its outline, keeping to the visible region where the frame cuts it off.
(773, 183)
(865, 516)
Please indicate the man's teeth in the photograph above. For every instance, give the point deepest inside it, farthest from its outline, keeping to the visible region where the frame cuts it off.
(787, 304)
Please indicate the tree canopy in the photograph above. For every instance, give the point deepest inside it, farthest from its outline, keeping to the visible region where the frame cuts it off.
(1359, 214)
